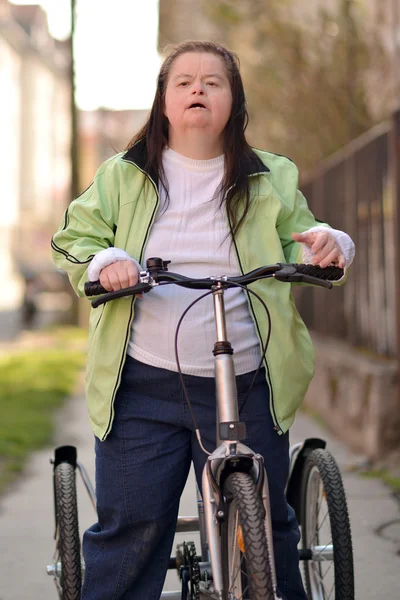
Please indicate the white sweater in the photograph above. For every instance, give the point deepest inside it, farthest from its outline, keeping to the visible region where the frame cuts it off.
(192, 232)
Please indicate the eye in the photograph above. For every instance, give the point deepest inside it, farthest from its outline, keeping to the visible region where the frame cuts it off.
(183, 84)
(212, 83)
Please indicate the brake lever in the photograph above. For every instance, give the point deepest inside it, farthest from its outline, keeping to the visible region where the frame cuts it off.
(290, 274)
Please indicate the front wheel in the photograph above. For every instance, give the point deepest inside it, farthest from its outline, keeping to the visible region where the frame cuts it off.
(68, 541)
(245, 554)
(325, 530)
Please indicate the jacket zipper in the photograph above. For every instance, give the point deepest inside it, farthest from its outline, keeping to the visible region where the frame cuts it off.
(117, 384)
(250, 303)
(277, 428)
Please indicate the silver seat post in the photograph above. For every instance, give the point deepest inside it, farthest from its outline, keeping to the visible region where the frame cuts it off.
(225, 380)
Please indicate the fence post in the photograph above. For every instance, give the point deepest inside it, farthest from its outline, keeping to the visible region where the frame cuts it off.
(394, 166)
(351, 227)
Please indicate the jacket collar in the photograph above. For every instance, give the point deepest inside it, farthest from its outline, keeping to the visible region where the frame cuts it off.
(137, 154)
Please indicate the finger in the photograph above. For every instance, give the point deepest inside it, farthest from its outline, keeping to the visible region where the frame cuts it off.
(330, 258)
(323, 252)
(121, 272)
(321, 240)
(298, 237)
(329, 246)
(132, 274)
(304, 238)
(127, 273)
(114, 278)
(105, 281)
(341, 261)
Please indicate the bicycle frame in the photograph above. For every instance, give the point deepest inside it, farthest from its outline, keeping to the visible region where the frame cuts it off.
(230, 454)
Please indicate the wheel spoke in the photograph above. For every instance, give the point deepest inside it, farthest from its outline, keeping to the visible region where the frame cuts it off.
(321, 553)
(332, 590)
(235, 547)
(320, 496)
(318, 518)
(236, 578)
(233, 580)
(318, 526)
(244, 578)
(320, 578)
(323, 520)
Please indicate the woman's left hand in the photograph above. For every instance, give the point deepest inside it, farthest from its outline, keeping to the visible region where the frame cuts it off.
(323, 246)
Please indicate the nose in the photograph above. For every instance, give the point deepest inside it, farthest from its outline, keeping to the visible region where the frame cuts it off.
(198, 88)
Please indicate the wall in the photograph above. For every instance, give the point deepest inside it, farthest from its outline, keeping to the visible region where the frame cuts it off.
(35, 126)
(10, 67)
(356, 395)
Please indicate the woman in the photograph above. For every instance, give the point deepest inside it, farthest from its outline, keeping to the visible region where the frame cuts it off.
(189, 189)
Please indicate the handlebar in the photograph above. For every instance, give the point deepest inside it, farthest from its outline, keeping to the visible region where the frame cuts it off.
(157, 273)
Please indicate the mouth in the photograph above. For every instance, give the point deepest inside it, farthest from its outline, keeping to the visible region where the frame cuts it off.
(197, 105)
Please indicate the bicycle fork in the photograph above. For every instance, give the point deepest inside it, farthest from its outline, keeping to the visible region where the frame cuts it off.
(214, 503)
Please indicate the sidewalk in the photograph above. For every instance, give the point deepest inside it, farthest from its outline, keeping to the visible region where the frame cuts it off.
(27, 522)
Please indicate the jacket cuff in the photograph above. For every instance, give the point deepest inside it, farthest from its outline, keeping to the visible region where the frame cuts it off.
(343, 240)
(105, 258)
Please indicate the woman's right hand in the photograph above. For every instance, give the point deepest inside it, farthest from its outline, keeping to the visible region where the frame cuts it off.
(119, 275)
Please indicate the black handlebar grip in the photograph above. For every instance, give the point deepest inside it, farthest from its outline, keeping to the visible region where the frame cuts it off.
(329, 273)
(94, 288)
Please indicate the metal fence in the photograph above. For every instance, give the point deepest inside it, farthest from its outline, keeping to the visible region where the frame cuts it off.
(357, 190)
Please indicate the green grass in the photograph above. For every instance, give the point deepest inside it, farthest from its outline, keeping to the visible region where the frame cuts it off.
(66, 333)
(33, 384)
(392, 481)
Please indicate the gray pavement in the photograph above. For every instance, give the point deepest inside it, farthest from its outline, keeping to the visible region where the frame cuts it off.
(26, 517)
(10, 325)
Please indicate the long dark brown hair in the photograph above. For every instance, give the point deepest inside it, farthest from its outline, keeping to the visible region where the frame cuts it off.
(239, 157)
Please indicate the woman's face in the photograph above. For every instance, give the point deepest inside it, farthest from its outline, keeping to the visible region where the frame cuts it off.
(198, 95)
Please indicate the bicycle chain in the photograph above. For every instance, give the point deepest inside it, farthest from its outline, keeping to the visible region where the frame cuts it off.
(191, 560)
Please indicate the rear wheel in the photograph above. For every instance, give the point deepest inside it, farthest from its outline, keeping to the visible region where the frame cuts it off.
(69, 547)
(245, 554)
(325, 529)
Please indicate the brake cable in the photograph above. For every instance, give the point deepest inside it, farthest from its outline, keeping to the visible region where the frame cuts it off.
(265, 347)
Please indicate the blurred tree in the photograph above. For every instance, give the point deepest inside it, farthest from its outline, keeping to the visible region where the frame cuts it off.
(74, 191)
(308, 72)
(73, 108)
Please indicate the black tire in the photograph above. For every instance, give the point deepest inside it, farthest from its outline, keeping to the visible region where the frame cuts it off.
(246, 576)
(69, 545)
(325, 523)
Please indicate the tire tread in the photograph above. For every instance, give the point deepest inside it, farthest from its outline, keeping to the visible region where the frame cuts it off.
(69, 541)
(339, 521)
(251, 517)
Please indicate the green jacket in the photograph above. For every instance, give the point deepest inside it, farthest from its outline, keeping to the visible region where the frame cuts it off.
(118, 209)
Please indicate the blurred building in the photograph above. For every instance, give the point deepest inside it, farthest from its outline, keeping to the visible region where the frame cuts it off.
(103, 133)
(35, 130)
(35, 155)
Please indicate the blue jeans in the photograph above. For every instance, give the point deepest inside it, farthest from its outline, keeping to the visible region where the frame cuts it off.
(141, 470)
